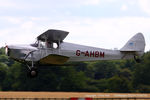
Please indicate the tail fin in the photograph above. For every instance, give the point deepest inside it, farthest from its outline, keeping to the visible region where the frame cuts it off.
(135, 44)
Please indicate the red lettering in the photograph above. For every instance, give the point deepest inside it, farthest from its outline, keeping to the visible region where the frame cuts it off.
(96, 54)
(91, 53)
(102, 54)
(87, 53)
(78, 52)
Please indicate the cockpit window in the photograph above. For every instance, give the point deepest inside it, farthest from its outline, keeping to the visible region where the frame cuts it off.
(34, 44)
(42, 44)
(55, 45)
(52, 45)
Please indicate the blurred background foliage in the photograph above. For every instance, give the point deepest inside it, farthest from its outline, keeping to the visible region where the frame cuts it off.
(123, 76)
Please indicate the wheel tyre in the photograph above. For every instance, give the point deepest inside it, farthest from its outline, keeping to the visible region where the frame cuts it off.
(33, 73)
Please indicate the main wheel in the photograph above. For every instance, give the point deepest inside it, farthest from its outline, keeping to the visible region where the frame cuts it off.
(33, 72)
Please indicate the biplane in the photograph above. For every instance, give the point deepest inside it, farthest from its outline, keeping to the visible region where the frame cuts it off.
(50, 49)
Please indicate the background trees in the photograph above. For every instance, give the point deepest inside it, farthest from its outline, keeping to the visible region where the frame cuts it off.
(100, 76)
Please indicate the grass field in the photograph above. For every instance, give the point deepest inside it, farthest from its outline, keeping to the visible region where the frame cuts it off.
(70, 95)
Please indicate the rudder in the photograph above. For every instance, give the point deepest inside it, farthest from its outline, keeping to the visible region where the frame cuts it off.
(135, 44)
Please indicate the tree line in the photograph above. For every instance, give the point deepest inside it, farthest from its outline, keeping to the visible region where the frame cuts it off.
(123, 76)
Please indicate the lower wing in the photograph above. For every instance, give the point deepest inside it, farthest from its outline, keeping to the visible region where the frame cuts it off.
(54, 59)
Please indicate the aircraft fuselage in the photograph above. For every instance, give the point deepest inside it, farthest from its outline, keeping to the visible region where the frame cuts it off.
(74, 52)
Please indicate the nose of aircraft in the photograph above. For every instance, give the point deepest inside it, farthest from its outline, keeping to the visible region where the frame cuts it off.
(18, 51)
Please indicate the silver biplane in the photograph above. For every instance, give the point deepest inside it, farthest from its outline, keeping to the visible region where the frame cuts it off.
(50, 49)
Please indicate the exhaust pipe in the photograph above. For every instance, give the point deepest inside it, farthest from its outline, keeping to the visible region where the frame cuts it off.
(7, 50)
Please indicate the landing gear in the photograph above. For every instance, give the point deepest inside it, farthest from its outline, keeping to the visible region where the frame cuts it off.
(33, 72)
(137, 59)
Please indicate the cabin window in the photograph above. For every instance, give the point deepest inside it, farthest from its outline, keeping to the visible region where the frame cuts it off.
(55, 45)
(42, 44)
(52, 45)
(48, 45)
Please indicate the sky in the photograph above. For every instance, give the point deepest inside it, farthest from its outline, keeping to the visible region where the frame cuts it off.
(100, 23)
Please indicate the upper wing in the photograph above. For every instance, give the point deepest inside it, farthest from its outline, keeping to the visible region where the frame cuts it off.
(54, 59)
(53, 35)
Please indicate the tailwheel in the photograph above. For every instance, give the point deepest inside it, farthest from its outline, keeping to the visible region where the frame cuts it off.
(137, 59)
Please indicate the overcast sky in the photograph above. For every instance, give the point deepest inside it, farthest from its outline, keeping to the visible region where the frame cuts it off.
(100, 23)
